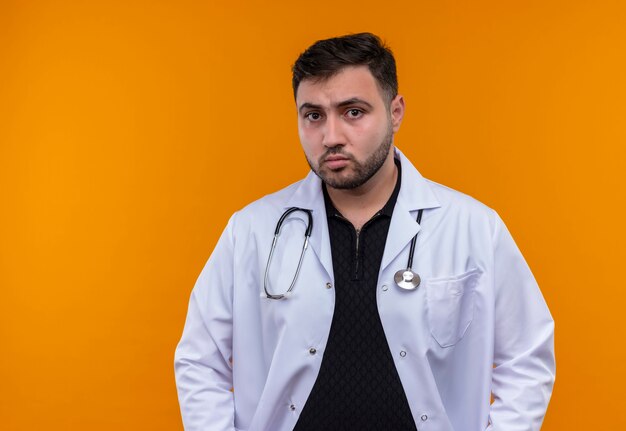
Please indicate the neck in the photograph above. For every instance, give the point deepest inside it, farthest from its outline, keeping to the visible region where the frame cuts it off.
(360, 204)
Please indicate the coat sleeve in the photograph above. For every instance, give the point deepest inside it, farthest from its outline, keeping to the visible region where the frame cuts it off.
(524, 363)
(202, 363)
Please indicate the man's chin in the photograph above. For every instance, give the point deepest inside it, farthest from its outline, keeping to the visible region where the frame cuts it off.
(340, 182)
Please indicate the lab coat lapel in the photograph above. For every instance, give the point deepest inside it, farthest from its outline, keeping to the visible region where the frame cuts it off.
(402, 229)
(415, 194)
(308, 195)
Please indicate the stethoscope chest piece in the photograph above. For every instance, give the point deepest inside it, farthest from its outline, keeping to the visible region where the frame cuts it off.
(407, 279)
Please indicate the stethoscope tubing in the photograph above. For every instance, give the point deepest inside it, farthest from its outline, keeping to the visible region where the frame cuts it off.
(409, 264)
(307, 235)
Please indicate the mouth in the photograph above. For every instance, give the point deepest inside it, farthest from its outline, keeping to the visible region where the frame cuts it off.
(336, 161)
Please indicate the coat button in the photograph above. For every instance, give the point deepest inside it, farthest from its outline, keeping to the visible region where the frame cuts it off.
(385, 288)
(402, 353)
(312, 351)
(329, 286)
(424, 418)
(292, 407)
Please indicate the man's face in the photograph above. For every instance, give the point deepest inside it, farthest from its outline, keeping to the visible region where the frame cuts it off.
(346, 127)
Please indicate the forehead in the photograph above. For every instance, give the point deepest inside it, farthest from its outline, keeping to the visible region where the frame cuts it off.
(349, 82)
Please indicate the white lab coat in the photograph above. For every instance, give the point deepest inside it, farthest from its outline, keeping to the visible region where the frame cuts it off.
(477, 325)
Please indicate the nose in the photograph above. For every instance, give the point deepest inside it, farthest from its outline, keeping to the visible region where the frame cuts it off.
(333, 133)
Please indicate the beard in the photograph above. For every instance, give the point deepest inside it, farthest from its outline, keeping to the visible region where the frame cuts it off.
(363, 171)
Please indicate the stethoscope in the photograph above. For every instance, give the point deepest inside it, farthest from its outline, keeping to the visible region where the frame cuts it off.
(406, 279)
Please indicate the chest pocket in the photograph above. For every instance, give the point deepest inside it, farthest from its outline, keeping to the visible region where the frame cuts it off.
(450, 306)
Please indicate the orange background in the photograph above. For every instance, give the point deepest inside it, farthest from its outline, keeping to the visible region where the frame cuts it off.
(131, 130)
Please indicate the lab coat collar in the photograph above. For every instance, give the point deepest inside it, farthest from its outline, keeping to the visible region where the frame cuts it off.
(415, 194)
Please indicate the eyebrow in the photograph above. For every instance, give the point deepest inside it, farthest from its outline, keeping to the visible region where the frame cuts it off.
(351, 101)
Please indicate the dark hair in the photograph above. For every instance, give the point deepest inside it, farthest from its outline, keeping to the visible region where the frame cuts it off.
(326, 58)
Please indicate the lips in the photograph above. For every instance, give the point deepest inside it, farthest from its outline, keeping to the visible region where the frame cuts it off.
(336, 161)
(334, 157)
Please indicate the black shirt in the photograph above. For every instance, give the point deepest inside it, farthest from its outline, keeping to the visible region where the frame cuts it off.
(358, 387)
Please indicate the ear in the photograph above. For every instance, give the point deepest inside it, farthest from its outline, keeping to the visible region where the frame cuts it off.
(396, 109)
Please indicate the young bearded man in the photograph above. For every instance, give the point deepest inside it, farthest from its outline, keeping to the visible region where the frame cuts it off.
(389, 302)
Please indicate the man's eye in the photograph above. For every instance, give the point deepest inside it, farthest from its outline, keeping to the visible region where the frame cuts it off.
(354, 113)
(313, 116)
